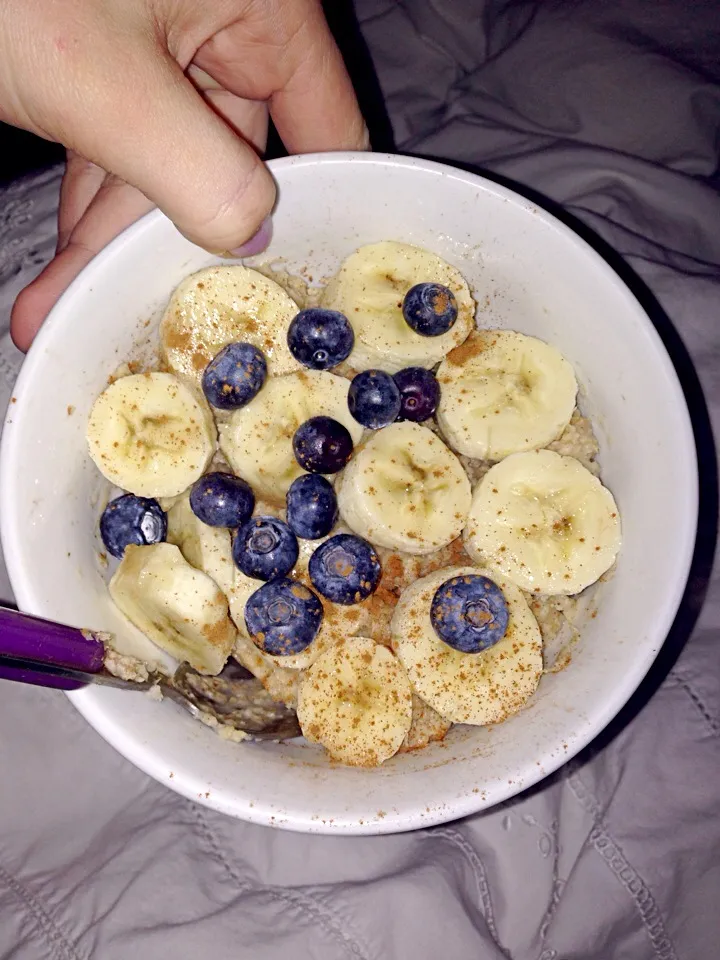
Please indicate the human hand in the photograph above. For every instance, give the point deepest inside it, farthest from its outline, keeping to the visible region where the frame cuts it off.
(166, 102)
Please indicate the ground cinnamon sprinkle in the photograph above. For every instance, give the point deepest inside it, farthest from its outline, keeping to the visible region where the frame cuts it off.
(453, 555)
(441, 301)
(380, 606)
(393, 574)
(216, 633)
(177, 339)
(398, 574)
(473, 347)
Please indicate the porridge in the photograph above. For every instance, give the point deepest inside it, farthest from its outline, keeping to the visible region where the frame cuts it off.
(382, 511)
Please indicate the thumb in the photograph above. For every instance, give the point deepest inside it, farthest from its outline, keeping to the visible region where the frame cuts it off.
(148, 125)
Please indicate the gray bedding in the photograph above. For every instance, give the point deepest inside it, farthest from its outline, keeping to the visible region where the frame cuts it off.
(612, 110)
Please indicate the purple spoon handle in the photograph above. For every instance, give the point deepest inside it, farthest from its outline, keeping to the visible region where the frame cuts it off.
(23, 675)
(35, 639)
(23, 670)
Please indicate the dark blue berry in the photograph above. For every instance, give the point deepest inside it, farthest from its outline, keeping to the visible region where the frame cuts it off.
(312, 509)
(469, 613)
(430, 309)
(419, 393)
(322, 445)
(320, 338)
(234, 376)
(222, 500)
(345, 569)
(265, 548)
(283, 617)
(130, 519)
(374, 399)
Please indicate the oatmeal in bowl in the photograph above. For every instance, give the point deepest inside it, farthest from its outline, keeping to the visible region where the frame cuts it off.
(441, 538)
(380, 542)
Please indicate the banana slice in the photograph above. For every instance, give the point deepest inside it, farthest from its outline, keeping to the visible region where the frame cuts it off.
(503, 393)
(221, 305)
(475, 688)
(176, 606)
(150, 435)
(257, 439)
(356, 701)
(545, 522)
(207, 548)
(369, 289)
(405, 490)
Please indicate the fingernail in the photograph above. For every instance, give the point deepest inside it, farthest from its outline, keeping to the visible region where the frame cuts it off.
(257, 243)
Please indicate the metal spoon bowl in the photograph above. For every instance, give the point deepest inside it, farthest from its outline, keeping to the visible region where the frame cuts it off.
(49, 654)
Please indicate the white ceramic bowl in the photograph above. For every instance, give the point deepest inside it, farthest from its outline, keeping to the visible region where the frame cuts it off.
(530, 273)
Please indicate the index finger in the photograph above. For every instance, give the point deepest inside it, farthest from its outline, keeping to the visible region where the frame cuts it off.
(281, 52)
(316, 109)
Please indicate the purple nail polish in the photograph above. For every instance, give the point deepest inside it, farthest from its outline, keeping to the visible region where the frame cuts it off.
(257, 243)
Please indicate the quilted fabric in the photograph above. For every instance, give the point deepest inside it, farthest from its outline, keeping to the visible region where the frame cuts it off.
(612, 110)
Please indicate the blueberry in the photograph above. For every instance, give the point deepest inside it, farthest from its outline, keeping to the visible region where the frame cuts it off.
(265, 548)
(345, 569)
(322, 445)
(320, 339)
(419, 393)
(130, 519)
(374, 399)
(234, 376)
(430, 309)
(283, 617)
(222, 500)
(312, 508)
(469, 613)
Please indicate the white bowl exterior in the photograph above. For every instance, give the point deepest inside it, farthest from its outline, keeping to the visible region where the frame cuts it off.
(530, 273)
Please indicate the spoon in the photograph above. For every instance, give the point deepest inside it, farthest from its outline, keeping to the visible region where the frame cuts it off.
(48, 654)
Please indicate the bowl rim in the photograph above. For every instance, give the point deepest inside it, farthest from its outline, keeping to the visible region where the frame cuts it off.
(145, 757)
